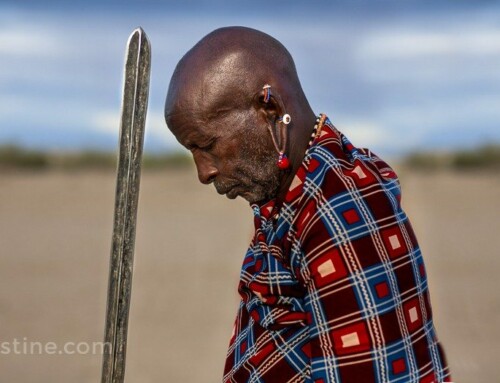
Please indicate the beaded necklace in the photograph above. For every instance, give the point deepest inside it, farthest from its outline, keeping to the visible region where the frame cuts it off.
(318, 126)
(320, 121)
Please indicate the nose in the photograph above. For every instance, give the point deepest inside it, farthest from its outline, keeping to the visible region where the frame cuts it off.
(207, 171)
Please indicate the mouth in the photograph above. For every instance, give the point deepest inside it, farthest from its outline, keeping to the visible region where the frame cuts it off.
(230, 191)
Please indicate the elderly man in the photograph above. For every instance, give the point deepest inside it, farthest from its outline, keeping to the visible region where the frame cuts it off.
(333, 286)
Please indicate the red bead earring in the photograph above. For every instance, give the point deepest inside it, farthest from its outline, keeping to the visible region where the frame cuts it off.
(283, 162)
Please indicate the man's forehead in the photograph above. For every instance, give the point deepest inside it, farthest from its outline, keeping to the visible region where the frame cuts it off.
(191, 113)
(190, 129)
(199, 112)
(210, 86)
(204, 95)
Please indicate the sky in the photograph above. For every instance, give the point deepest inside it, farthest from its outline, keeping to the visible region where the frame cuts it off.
(394, 76)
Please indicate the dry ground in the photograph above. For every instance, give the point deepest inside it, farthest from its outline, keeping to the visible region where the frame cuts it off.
(54, 243)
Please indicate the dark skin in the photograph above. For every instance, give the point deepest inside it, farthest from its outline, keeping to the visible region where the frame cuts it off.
(215, 108)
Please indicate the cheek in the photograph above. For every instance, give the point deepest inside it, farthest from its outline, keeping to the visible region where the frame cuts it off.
(249, 150)
(256, 144)
(259, 167)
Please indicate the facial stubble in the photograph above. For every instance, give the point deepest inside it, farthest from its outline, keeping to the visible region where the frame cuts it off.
(256, 169)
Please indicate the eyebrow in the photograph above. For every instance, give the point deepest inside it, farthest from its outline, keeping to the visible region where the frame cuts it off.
(219, 112)
(200, 140)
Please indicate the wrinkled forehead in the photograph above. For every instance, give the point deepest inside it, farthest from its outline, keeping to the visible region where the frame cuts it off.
(205, 86)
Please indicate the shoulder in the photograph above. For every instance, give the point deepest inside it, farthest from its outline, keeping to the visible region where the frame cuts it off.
(341, 184)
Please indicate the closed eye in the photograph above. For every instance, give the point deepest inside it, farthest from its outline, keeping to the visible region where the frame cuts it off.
(208, 146)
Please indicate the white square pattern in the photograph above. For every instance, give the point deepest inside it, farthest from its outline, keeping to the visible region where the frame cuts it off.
(359, 172)
(326, 268)
(413, 314)
(394, 241)
(350, 340)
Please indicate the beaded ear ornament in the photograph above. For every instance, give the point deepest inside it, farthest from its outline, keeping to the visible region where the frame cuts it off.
(283, 162)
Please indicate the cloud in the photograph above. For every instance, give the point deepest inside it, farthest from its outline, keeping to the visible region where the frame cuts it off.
(157, 134)
(444, 54)
(409, 45)
(379, 135)
(364, 133)
(106, 121)
(406, 74)
(27, 43)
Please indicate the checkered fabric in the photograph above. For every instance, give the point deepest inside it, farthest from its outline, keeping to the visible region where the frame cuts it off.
(333, 286)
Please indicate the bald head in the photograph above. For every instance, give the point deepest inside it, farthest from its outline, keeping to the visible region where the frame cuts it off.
(215, 108)
(227, 68)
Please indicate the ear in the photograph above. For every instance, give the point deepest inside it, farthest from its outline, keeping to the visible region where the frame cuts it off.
(273, 108)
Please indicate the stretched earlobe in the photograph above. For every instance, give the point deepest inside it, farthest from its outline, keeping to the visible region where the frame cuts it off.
(269, 101)
(275, 114)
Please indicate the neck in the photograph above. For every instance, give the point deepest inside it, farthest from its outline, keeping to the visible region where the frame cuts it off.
(298, 139)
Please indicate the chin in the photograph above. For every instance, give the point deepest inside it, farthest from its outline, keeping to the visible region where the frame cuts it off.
(255, 193)
(250, 197)
(258, 198)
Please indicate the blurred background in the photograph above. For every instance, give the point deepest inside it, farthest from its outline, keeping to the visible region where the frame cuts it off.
(418, 82)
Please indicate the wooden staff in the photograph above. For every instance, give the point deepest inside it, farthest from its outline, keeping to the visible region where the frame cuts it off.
(133, 118)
